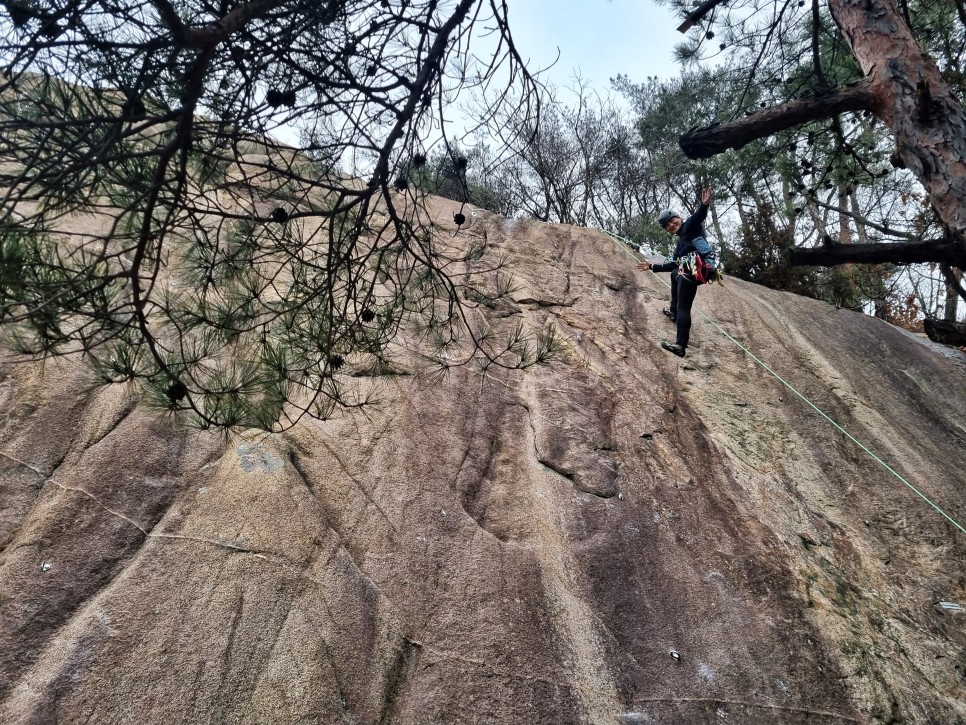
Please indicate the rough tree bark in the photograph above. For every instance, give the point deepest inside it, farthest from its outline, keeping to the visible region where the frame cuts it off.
(914, 101)
(831, 255)
(903, 87)
(704, 142)
(948, 333)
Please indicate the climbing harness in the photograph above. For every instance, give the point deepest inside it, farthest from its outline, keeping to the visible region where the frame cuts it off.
(699, 269)
(624, 242)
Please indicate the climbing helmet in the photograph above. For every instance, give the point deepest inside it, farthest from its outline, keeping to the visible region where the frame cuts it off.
(666, 216)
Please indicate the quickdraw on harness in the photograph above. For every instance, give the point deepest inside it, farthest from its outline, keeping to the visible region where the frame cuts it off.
(701, 271)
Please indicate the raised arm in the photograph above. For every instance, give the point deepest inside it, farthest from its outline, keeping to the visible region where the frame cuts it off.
(702, 212)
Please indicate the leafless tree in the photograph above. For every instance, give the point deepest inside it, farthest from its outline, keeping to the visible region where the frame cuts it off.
(581, 164)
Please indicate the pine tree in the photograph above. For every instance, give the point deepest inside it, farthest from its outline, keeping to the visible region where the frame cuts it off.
(152, 221)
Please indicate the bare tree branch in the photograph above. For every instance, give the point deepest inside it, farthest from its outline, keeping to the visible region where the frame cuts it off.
(697, 15)
(150, 222)
(862, 220)
(954, 280)
(945, 332)
(171, 18)
(816, 49)
(938, 250)
(234, 21)
(706, 142)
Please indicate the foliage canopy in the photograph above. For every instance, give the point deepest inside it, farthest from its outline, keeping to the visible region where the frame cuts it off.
(151, 220)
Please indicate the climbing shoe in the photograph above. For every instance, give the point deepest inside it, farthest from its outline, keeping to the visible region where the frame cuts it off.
(668, 312)
(673, 347)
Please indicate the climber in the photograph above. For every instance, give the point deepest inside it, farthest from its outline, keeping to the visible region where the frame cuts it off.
(684, 286)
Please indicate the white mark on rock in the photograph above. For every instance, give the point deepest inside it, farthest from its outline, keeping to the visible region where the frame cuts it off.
(636, 717)
(705, 672)
(253, 458)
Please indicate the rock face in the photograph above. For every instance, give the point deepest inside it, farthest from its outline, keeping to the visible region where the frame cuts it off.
(620, 536)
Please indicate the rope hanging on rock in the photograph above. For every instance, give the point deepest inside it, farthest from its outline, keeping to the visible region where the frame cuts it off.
(624, 243)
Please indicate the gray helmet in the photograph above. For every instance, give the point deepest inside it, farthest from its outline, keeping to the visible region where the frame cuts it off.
(666, 216)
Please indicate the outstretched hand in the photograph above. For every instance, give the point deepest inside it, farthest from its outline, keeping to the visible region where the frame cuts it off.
(644, 266)
(705, 194)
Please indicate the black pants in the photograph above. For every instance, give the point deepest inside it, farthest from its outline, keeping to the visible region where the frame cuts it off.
(683, 291)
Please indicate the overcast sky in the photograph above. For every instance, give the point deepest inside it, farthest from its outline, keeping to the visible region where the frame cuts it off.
(598, 38)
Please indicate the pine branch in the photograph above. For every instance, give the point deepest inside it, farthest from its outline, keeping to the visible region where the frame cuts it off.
(706, 142)
(945, 251)
(698, 14)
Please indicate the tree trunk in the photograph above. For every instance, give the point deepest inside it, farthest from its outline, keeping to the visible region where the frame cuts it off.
(716, 225)
(928, 121)
(818, 220)
(860, 229)
(951, 308)
(845, 227)
(903, 87)
(947, 333)
(790, 217)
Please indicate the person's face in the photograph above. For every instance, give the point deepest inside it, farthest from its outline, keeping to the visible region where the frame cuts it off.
(673, 224)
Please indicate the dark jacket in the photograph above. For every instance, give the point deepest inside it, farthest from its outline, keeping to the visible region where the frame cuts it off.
(691, 238)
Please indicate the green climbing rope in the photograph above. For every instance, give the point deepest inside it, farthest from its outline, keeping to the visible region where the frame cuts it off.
(623, 244)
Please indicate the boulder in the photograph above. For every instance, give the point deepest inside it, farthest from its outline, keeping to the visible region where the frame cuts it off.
(619, 536)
